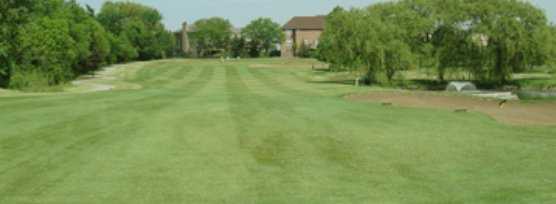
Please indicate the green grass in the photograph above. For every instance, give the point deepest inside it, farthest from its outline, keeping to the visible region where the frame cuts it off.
(203, 131)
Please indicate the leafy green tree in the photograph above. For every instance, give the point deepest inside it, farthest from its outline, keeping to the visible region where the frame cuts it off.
(47, 48)
(333, 47)
(211, 36)
(114, 16)
(92, 44)
(48, 42)
(489, 39)
(264, 33)
(99, 47)
(139, 25)
(13, 16)
(549, 54)
(79, 46)
(509, 38)
(121, 49)
(361, 41)
(167, 43)
(239, 47)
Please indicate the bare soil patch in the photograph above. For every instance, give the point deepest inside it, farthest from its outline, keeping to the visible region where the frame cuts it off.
(513, 112)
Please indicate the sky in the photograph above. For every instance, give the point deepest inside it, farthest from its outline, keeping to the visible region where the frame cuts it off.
(241, 12)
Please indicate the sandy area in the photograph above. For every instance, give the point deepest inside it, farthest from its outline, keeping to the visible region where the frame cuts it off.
(513, 112)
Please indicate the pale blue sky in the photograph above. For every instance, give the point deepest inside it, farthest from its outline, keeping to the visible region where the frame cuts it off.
(241, 12)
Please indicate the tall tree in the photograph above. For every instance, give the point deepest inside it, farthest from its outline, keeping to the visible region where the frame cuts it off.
(360, 40)
(48, 50)
(139, 25)
(505, 36)
(264, 34)
(211, 36)
(238, 47)
(13, 16)
(489, 39)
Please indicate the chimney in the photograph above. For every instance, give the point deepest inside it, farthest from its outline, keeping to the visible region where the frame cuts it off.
(185, 46)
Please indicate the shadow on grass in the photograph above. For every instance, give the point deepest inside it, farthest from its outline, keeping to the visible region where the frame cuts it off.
(342, 82)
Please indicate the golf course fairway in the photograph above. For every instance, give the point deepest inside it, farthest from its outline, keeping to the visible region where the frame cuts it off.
(259, 131)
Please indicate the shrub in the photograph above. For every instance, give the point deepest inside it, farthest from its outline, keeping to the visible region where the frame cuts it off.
(29, 80)
(536, 95)
(275, 53)
(47, 48)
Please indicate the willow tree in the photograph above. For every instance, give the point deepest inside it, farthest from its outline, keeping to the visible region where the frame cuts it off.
(507, 34)
(361, 40)
(339, 26)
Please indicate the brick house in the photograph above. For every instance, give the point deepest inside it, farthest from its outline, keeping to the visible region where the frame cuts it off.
(302, 30)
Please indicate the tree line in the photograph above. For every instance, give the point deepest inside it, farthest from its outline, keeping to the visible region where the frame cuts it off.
(49, 42)
(490, 40)
(215, 37)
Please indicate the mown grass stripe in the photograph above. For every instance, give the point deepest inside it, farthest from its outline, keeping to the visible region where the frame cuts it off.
(147, 104)
(274, 84)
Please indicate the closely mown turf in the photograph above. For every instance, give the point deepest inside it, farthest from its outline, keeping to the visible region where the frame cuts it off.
(254, 131)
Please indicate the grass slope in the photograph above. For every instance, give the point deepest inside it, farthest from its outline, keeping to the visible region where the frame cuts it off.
(203, 131)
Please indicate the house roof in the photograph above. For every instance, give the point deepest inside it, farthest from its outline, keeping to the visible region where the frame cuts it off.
(306, 23)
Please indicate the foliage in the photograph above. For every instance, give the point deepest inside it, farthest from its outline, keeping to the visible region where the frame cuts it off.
(305, 51)
(513, 37)
(30, 80)
(489, 39)
(53, 41)
(13, 16)
(263, 34)
(121, 49)
(92, 45)
(211, 36)
(360, 38)
(47, 47)
(239, 47)
(139, 27)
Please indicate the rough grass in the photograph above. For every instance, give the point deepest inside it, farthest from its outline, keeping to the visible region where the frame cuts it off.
(203, 131)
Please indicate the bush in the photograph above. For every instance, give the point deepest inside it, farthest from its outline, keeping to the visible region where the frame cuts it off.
(239, 47)
(121, 49)
(29, 81)
(60, 39)
(138, 32)
(305, 51)
(535, 95)
(48, 49)
(275, 53)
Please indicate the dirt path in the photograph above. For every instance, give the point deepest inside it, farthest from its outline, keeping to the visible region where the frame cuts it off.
(92, 87)
(513, 112)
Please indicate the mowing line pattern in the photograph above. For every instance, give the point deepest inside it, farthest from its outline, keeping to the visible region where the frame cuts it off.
(86, 142)
(206, 131)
